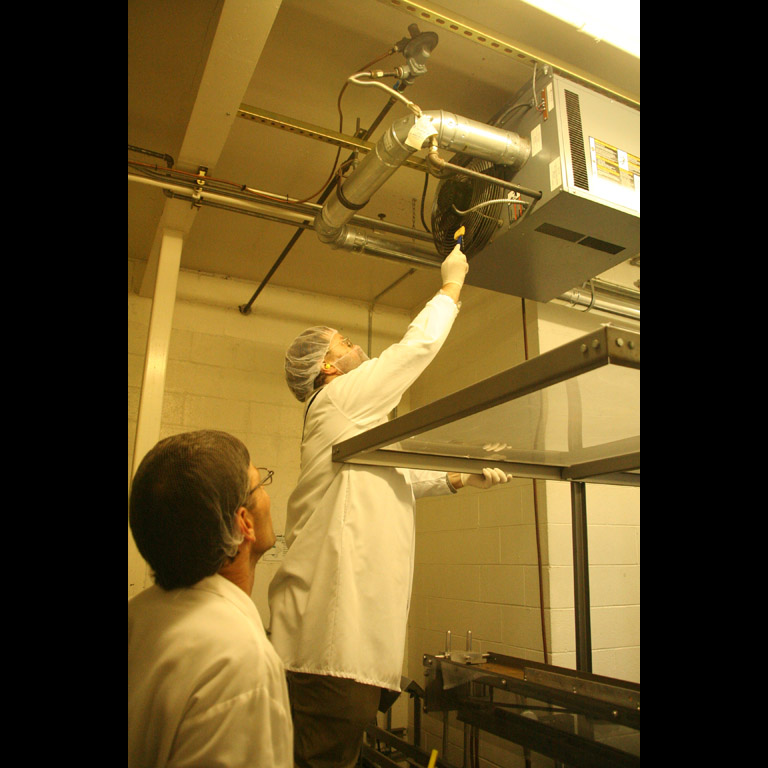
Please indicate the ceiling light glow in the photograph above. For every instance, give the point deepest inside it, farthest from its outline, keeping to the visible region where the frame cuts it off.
(616, 22)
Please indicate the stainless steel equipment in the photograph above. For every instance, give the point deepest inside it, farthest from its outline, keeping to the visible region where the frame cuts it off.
(585, 159)
(577, 718)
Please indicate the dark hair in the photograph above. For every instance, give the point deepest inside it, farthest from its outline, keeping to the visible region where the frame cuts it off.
(183, 501)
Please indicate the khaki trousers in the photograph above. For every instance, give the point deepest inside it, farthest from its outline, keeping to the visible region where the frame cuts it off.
(330, 715)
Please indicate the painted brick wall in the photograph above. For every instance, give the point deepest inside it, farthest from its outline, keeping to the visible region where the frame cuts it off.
(225, 371)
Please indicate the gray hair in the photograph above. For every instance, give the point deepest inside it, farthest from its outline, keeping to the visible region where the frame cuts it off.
(184, 497)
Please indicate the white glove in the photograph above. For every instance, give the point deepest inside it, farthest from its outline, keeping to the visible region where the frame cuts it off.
(487, 479)
(455, 267)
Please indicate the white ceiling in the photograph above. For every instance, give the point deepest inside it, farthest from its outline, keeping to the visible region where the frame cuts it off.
(192, 64)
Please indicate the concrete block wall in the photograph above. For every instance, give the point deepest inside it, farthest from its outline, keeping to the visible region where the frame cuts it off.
(481, 543)
(613, 517)
(225, 371)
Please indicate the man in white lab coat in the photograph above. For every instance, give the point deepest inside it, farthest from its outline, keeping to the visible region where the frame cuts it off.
(339, 601)
(205, 687)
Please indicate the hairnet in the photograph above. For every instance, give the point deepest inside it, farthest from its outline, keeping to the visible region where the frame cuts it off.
(304, 358)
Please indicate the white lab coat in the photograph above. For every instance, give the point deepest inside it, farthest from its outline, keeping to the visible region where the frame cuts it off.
(205, 687)
(339, 601)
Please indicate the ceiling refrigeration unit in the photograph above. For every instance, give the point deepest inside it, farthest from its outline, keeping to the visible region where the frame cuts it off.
(585, 161)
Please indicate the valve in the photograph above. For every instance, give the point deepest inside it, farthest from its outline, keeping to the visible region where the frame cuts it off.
(417, 51)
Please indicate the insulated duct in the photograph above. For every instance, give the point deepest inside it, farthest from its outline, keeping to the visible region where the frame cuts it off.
(398, 143)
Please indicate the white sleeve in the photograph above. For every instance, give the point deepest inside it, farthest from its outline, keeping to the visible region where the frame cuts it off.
(368, 393)
(429, 483)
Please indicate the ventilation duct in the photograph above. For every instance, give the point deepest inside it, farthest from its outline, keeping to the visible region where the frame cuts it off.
(398, 143)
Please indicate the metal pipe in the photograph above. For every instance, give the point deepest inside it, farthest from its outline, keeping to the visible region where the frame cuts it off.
(230, 202)
(290, 213)
(398, 143)
(277, 218)
(162, 155)
(581, 578)
(604, 297)
(355, 239)
(246, 308)
(434, 159)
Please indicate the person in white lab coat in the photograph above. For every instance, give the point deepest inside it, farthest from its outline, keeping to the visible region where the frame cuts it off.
(205, 687)
(339, 600)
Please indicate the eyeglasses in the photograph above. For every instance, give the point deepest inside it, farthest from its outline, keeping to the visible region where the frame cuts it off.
(265, 473)
(345, 342)
(266, 481)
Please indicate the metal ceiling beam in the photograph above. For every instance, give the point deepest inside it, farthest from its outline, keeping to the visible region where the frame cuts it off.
(317, 132)
(468, 29)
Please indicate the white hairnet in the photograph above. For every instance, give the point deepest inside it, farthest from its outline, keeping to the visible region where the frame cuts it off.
(304, 358)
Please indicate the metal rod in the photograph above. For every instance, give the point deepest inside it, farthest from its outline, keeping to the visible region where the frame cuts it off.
(435, 159)
(375, 301)
(445, 733)
(246, 308)
(319, 133)
(162, 155)
(291, 213)
(417, 704)
(581, 577)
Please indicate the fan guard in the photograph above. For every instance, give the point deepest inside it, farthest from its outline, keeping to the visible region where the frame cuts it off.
(465, 192)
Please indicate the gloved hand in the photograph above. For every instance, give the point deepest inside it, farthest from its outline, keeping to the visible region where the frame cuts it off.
(454, 267)
(487, 479)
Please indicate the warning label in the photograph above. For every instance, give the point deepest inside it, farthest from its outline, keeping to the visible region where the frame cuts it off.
(614, 164)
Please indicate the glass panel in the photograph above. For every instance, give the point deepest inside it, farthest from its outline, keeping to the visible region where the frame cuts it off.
(591, 416)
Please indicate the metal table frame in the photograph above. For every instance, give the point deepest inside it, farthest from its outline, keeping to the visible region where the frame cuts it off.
(618, 466)
(553, 711)
(606, 346)
(577, 697)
